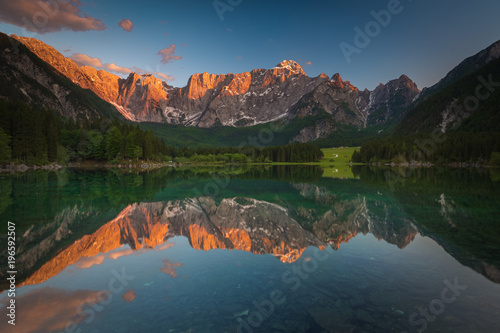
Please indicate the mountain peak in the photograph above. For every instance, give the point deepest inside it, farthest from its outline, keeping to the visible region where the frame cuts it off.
(292, 66)
(336, 78)
(288, 63)
(337, 81)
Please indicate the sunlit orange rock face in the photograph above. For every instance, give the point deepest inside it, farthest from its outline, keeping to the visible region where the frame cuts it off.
(245, 224)
(238, 84)
(282, 72)
(337, 82)
(199, 84)
(104, 84)
(208, 100)
(139, 97)
(142, 93)
(113, 235)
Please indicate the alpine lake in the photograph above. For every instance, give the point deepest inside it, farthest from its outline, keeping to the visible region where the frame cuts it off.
(252, 249)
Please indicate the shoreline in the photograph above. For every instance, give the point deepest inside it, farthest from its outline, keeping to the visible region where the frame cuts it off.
(147, 166)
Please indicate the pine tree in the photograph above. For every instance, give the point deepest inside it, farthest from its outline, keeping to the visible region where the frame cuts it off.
(5, 149)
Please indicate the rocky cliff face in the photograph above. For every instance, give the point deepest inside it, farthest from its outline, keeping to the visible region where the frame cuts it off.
(238, 223)
(139, 97)
(347, 105)
(244, 224)
(348, 218)
(389, 101)
(244, 99)
(24, 76)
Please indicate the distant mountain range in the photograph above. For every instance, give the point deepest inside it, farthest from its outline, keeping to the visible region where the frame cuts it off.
(39, 75)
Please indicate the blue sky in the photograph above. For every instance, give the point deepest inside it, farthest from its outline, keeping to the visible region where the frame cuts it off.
(424, 39)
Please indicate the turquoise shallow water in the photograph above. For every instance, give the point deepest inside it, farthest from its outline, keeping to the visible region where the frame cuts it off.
(260, 251)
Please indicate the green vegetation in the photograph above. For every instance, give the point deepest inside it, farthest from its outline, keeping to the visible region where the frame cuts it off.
(5, 150)
(495, 159)
(83, 99)
(37, 137)
(439, 149)
(341, 155)
(263, 134)
(427, 115)
(270, 134)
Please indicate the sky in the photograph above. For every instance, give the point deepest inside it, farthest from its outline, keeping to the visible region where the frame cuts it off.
(367, 42)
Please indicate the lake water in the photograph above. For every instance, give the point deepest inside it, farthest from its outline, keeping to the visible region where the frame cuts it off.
(277, 249)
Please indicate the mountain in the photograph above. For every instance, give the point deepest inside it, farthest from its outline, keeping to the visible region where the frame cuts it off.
(240, 100)
(454, 104)
(140, 93)
(244, 224)
(470, 104)
(244, 99)
(347, 105)
(466, 67)
(24, 76)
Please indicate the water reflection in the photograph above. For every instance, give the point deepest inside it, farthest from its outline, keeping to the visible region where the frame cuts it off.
(75, 223)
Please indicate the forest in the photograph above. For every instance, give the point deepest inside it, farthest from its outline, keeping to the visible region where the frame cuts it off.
(40, 136)
(441, 148)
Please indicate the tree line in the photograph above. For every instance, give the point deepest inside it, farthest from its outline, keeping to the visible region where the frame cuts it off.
(40, 136)
(442, 149)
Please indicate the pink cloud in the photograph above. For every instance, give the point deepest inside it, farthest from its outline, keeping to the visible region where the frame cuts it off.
(59, 308)
(309, 63)
(117, 69)
(84, 60)
(48, 16)
(126, 25)
(129, 296)
(169, 268)
(162, 76)
(167, 54)
(67, 50)
(87, 262)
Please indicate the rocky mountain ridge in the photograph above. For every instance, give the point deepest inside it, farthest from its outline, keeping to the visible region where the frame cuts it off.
(244, 99)
(466, 67)
(244, 224)
(26, 77)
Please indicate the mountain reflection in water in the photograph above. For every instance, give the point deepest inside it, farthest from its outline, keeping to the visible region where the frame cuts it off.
(95, 220)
